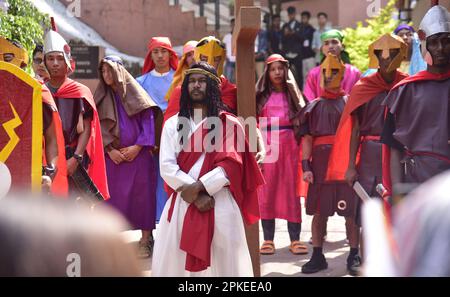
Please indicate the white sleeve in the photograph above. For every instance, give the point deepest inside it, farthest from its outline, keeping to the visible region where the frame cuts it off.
(169, 169)
(215, 180)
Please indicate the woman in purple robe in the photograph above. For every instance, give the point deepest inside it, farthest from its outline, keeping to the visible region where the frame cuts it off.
(128, 130)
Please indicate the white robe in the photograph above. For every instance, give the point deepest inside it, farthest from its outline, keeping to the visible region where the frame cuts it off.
(229, 251)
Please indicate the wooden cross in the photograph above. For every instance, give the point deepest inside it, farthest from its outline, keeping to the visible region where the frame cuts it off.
(247, 26)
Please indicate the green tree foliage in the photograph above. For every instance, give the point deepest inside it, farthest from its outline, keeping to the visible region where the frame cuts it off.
(357, 40)
(24, 23)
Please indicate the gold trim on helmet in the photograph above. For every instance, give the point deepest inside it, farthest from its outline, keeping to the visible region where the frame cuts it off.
(20, 55)
(211, 48)
(384, 44)
(331, 68)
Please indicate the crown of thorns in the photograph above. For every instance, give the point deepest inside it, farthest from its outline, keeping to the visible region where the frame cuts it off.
(204, 72)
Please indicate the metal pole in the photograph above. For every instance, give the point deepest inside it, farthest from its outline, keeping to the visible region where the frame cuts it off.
(202, 7)
(217, 11)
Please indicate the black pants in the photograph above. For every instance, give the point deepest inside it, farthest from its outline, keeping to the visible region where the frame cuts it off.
(294, 230)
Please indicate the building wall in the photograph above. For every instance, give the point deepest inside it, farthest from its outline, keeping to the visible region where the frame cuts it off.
(129, 25)
(351, 12)
(422, 8)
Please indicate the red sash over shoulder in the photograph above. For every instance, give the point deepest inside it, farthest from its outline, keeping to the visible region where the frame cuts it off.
(244, 176)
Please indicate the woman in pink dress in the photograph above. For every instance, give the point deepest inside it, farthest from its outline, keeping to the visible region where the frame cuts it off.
(278, 101)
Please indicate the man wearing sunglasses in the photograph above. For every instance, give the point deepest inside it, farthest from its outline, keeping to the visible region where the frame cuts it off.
(40, 72)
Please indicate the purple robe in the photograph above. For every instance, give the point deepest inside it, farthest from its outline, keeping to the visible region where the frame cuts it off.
(132, 184)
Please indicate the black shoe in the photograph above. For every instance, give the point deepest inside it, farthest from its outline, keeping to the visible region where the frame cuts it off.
(314, 265)
(354, 265)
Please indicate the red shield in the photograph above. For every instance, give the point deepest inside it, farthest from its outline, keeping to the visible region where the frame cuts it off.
(20, 128)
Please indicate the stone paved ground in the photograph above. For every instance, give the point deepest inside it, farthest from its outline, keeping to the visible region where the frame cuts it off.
(283, 263)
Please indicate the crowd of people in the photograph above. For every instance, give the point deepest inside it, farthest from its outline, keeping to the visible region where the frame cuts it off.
(167, 151)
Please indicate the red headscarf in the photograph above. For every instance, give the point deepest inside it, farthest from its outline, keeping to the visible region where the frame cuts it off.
(165, 43)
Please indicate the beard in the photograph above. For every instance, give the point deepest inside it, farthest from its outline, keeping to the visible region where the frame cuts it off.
(202, 100)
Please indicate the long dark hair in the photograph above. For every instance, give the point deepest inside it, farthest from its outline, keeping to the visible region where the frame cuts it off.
(214, 102)
(213, 99)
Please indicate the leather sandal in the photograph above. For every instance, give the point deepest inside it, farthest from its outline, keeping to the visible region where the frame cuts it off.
(298, 248)
(267, 248)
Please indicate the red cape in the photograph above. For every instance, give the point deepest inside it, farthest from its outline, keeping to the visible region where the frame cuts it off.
(244, 176)
(228, 94)
(420, 76)
(60, 186)
(363, 91)
(71, 89)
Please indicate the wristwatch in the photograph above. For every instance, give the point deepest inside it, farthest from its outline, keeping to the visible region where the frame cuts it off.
(78, 157)
(49, 170)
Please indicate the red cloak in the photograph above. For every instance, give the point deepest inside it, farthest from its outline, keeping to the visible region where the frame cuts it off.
(420, 76)
(363, 91)
(244, 176)
(71, 89)
(60, 187)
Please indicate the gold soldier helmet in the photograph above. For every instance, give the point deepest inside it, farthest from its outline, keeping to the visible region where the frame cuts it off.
(331, 68)
(13, 52)
(211, 50)
(384, 44)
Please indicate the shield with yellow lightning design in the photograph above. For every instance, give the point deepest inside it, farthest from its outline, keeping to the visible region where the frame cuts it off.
(20, 130)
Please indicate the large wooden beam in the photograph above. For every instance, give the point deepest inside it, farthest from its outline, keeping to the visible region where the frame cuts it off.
(247, 26)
